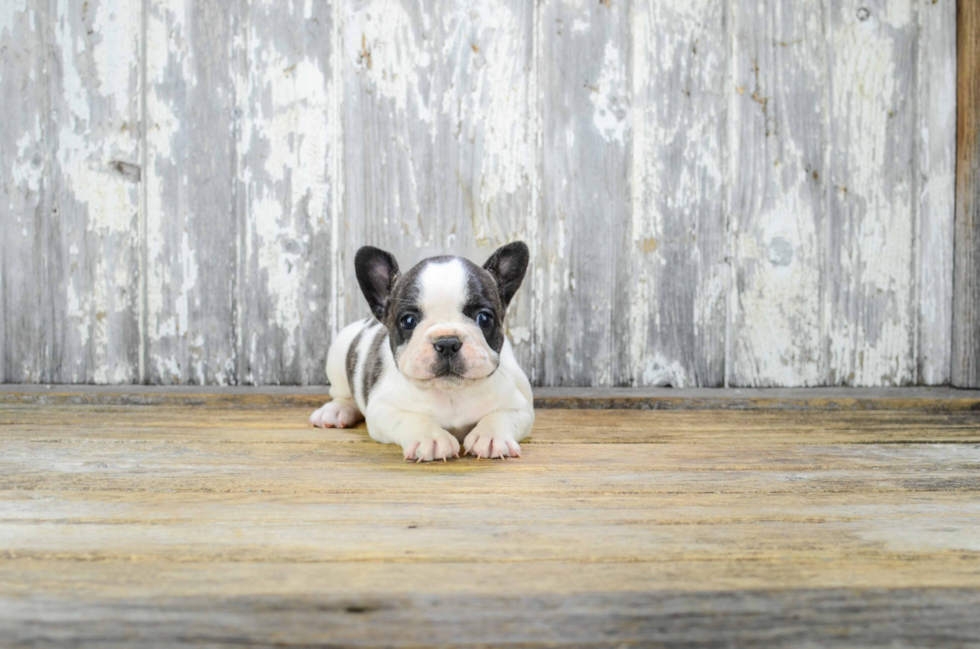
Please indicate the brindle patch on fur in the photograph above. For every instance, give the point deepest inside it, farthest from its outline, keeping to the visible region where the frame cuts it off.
(404, 299)
(351, 364)
(482, 295)
(374, 363)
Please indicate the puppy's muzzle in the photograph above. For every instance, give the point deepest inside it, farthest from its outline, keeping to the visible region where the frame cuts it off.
(447, 347)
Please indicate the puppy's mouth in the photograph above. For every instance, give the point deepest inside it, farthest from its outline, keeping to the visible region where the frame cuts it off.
(448, 371)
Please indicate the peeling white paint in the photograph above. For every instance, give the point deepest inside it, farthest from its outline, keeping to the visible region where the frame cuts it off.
(610, 97)
(28, 167)
(163, 126)
(10, 12)
(296, 133)
(287, 107)
(282, 269)
(779, 338)
(172, 266)
(339, 272)
(88, 311)
(897, 14)
(391, 53)
(489, 95)
(876, 197)
(779, 233)
(93, 126)
(453, 90)
(74, 93)
(117, 25)
(936, 171)
(679, 172)
(85, 160)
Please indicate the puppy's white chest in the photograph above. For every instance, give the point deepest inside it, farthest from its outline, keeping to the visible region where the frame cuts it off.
(460, 412)
(455, 410)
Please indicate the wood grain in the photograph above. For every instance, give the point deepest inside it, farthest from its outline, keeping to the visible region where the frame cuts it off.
(72, 179)
(679, 283)
(761, 426)
(93, 237)
(935, 179)
(285, 192)
(869, 309)
(966, 283)
(582, 278)
(193, 220)
(760, 618)
(229, 525)
(25, 165)
(779, 211)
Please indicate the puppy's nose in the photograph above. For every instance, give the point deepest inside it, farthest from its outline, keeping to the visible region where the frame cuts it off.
(447, 347)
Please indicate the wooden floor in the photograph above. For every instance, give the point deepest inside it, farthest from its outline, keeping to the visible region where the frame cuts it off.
(218, 524)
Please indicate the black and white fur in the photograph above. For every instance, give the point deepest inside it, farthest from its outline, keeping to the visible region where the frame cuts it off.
(433, 367)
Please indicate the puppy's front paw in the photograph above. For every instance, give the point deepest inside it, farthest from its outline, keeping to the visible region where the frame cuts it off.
(481, 443)
(435, 446)
(339, 413)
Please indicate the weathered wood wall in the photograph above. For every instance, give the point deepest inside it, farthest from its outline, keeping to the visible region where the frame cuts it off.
(754, 193)
(966, 282)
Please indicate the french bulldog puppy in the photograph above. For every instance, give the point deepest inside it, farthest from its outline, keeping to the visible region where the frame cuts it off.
(433, 367)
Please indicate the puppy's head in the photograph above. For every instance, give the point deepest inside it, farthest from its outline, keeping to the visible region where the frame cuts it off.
(444, 316)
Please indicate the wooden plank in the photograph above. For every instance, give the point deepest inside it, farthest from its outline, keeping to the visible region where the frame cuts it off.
(94, 247)
(231, 421)
(285, 149)
(438, 150)
(910, 617)
(220, 580)
(574, 452)
(542, 526)
(71, 273)
(582, 272)
(930, 399)
(837, 399)
(869, 308)
(25, 166)
(779, 204)
(935, 178)
(360, 468)
(193, 228)
(966, 282)
(679, 282)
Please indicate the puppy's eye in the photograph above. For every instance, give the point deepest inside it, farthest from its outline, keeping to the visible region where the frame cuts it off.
(484, 319)
(408, 322)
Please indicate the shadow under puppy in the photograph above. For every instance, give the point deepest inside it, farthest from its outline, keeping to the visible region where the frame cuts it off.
(433, 367)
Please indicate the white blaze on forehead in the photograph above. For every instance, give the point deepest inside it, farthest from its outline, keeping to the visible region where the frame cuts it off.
(443, 290)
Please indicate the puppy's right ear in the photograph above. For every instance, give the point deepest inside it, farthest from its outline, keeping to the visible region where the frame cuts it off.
(376, 272)
(508, 265)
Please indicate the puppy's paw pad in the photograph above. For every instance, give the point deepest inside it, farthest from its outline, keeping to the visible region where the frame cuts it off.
(440, 446)
(336, 414)
(491, 446)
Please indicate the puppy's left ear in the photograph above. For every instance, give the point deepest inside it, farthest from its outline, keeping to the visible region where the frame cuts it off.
(508, 265)
(376, 272)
